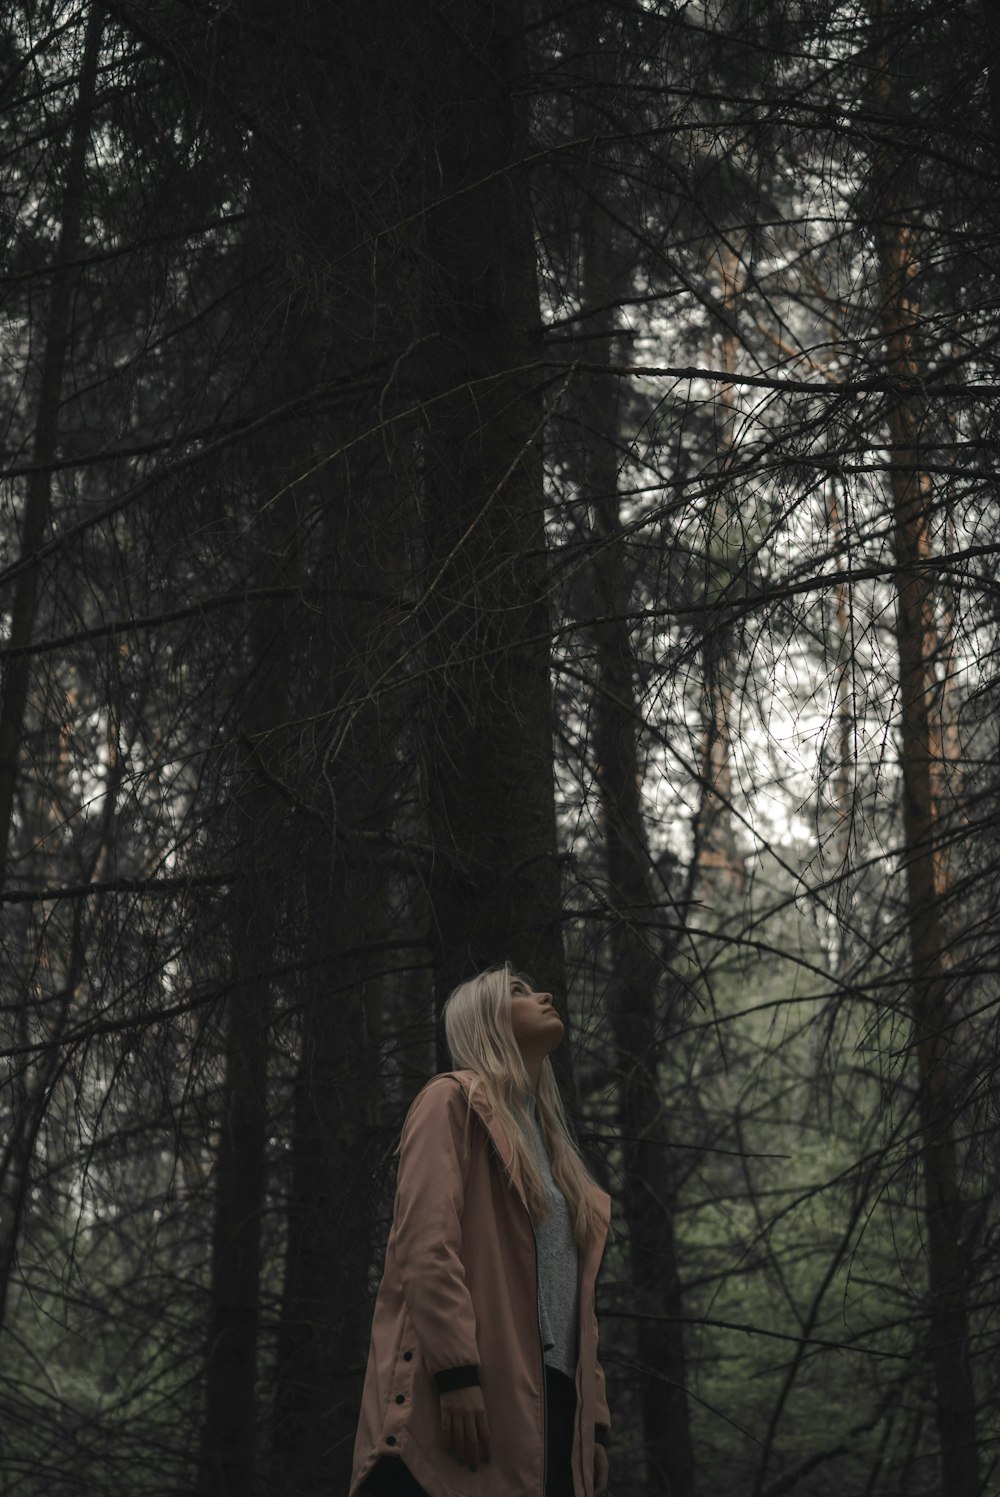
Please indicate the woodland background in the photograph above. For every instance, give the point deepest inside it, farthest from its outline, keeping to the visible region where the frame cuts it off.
(481, 481)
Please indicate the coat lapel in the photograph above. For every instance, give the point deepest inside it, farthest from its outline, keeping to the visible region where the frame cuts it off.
(502, 1144)
(499, 1137)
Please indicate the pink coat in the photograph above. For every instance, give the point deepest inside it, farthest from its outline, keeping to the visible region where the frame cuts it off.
(459, 1295)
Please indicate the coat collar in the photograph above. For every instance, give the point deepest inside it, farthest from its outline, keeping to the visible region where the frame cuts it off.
(502, 1143)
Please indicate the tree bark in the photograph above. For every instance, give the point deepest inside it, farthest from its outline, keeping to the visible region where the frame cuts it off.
(639, 950)
(921, 760)
(17, 665)
(639, 965)
(325, 1317)
(495, 881)
(230, 1434)
(325, 1320)
(719, 868)
(991, 34)
(31, 1093)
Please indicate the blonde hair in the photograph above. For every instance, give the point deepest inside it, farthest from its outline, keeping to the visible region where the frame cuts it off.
(480, 1036)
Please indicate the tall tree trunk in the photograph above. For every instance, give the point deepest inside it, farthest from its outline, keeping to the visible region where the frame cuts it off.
(638, 945)
(843, 723)
(495, 882)
(325, 1319)
(719, 867)
(30, 1095)
(842, 731)
(921, 758)
(991, 35)
(638, 959)
(230, 1442)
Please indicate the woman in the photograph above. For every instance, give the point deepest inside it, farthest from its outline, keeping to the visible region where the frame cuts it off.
(483, 1378)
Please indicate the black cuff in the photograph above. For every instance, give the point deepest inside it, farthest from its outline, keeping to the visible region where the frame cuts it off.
(456, 1377)
(601, 1434)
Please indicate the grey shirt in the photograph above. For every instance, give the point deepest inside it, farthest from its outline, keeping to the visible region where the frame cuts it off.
(558, 1295)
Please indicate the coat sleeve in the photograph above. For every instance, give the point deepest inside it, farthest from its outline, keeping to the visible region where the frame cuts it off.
(602, 1415)
(427, 1221)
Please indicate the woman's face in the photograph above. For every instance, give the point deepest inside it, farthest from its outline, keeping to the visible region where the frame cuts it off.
(537, 1026)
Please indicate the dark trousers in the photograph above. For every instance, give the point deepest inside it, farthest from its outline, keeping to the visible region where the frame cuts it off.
(390, 1478)
(560, 1393)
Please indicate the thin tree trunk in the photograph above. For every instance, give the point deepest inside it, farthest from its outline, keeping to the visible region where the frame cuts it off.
(843, 731)
(719, 866)
(949, 794)
(844, 712)
(30, 1094)
(638, 947)
(921, 757)
(638, 963)
(991, 32)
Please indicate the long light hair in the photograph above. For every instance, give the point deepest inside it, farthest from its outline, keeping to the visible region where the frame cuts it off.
(480, 1036)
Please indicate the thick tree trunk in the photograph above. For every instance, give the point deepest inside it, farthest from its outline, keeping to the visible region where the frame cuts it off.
(921, 759)
(29, 1099)
(325, 1320)
(495, 882)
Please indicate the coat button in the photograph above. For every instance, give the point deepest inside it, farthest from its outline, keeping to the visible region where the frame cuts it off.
(400, 1398)
(407, 1356)
(390, 1439)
